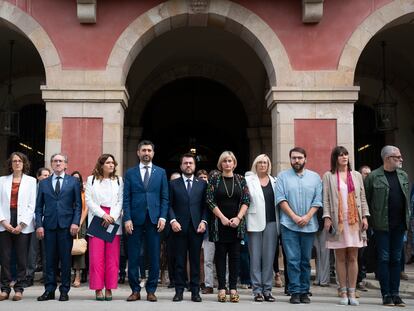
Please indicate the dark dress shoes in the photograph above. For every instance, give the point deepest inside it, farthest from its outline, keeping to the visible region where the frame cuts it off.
(64, 297)
(151, 297)
(196, 298)
(304, 298)
(269, 297)
(294, 299)
(134, 296)
(178, 297)
(46, 296)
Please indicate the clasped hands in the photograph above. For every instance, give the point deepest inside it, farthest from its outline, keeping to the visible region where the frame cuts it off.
(14, 230)
(232, 222)
(176, 227)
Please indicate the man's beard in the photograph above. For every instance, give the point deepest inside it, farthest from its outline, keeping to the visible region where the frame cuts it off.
(298, 167)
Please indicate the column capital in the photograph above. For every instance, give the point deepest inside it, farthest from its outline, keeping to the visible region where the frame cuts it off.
(292, 95)
(80, 94)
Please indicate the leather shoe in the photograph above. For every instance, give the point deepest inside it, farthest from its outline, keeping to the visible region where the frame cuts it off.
(151, 297)
(64, 297)
(134, 296)
(178, 297)
(46, 296)
(269, 297)
(196, 298)
(294, 299)
(207, 290)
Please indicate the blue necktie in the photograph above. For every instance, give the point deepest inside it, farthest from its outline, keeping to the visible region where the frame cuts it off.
(188, 185)
(146, 176)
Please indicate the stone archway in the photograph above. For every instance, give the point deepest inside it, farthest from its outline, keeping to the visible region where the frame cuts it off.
(35, 33)
(224, 14)
(371, 25)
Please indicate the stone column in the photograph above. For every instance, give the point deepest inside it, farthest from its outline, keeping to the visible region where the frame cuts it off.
(107, 105)
(260, 141)
(288, 104)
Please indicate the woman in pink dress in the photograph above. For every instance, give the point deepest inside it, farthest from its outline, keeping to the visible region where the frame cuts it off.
(345, 213)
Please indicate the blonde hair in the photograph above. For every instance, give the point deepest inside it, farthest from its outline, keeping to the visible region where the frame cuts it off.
(259, 158)
(224, 155)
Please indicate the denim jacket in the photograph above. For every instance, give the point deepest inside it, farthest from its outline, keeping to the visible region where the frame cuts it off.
(377, 190)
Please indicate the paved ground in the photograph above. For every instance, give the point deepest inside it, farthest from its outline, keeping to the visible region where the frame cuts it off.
(323, 299)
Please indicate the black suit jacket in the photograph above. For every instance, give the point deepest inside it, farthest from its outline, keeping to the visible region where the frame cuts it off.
(188, 209)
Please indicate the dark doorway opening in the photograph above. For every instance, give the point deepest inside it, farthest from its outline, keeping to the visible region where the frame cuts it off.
(31, 140)
(368, 141)
(196, 114)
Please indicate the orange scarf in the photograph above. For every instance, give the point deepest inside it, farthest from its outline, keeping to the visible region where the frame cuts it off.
(352, 207)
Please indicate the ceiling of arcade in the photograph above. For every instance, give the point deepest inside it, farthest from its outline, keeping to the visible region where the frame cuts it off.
(199, 52)
(399, 62)
(28, 71)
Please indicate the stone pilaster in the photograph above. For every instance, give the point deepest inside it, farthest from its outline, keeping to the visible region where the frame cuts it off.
(290, 103)
(108, 104)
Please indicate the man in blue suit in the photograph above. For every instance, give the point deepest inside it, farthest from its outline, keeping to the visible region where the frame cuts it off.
(58, 212)
(145, 211)
(188, 215)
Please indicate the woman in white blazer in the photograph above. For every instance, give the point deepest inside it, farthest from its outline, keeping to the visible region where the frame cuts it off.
(103, 197)
(262, 227)
(17, 205)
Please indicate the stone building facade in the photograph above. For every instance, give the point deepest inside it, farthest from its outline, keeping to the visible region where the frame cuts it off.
(309, 73)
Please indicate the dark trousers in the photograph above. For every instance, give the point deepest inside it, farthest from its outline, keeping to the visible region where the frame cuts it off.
(362, 272)
(20, 243)
(389, 246)
(58, 247)
(152, 238)
(190, 242)
(232, 250)
(244, 270)
(171, 258)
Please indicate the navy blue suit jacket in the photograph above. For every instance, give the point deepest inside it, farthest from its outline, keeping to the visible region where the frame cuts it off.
(187, 208)
(137, 199)
(58, 210)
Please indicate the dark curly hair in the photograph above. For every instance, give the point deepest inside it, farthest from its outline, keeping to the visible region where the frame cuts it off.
(98, 171)
(23, 157)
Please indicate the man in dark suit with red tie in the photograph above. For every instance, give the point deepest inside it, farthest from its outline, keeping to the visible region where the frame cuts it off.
(187, 213)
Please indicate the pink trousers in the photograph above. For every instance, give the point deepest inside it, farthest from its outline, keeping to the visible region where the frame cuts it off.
(103, 262)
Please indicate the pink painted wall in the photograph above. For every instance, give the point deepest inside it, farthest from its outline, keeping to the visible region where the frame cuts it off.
(318, 138)
(82, 142)
(309, 46)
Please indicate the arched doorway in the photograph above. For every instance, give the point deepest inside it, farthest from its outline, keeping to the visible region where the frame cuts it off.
(199, 115)
(204, 76)
(25, 78)
(399, 60)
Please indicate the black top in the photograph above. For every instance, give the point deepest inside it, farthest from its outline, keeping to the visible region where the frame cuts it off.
(396, 201)
(229, 206)
(269, 197)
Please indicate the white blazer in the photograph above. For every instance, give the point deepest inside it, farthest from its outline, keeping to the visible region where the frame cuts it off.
(26, 201)
(256, 213)
(93, 198)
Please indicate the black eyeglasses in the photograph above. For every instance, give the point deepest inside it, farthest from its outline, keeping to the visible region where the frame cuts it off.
(396, 157)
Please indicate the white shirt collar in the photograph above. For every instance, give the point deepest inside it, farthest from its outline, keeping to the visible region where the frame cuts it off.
(185, 178)
(61, 175)
(141, 165)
